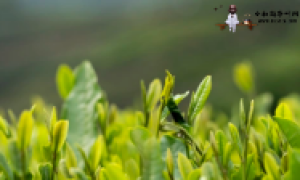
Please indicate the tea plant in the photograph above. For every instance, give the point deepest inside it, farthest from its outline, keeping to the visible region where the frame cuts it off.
(92, 139)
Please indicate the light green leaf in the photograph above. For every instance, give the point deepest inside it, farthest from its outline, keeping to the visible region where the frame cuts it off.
(52, 122)
(45, 171)
(243, 77)
(4, 127)
(132, 169)
(25, 127)
(283, 111)
(64, 80)
(208, 171)
(153, 94)
(168, 88)
(176, 146)
(250, 167)
(79, 174)
(85, 158)
(16, 159)
(80, 107)
(71, 160)
(227, 153)
(152, 162)
(169, 161)
(242, 114)
(199, 98)
(235, 138)
(95, 155)
(221, 144)
(139, 136)
(60, 134)
(271, 166)
(184, 165)
(195, 174)
(291, 130)
(5, 168)
(114, 171)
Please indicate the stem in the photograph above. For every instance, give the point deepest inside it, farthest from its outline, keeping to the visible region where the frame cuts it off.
(245, 155)
(222, 168)
(191, 141)
(23, 159)
(54, 165)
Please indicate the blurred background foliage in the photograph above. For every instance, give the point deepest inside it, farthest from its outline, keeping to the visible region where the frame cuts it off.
(127, 41)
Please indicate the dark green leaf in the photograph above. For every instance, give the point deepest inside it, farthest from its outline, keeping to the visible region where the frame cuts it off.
(177, 98)
(175, 112)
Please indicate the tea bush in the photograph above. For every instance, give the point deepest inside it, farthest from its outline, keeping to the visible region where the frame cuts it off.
(92, 139)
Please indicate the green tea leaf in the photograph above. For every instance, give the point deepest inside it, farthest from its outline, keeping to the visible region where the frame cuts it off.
(71, 160)
(80, 107)
(199, 98)
(79, 174)
(132, 169)
(95, 155)
(153, 94)
(64, 80)
(227, 153)
(244, 77)
(242, 114)
(4, 166)
(236, 138)
(138, 136)
(4, 127)
(25, 127)
(152, 162)
(283, 111)
(208, 171)
(291, 131)
(169, 161)
(53, 122)
(271, 166)
(195, 174)
(176, 146)
(84, 156)
(250, 167)
(294, 165)
(45, 171)
(15, 157)
(60, 134)
(184, 165)
(114, 171)
(168, 88)
(221, 144)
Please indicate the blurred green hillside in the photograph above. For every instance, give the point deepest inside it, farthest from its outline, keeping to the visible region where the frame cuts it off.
(128, 41)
